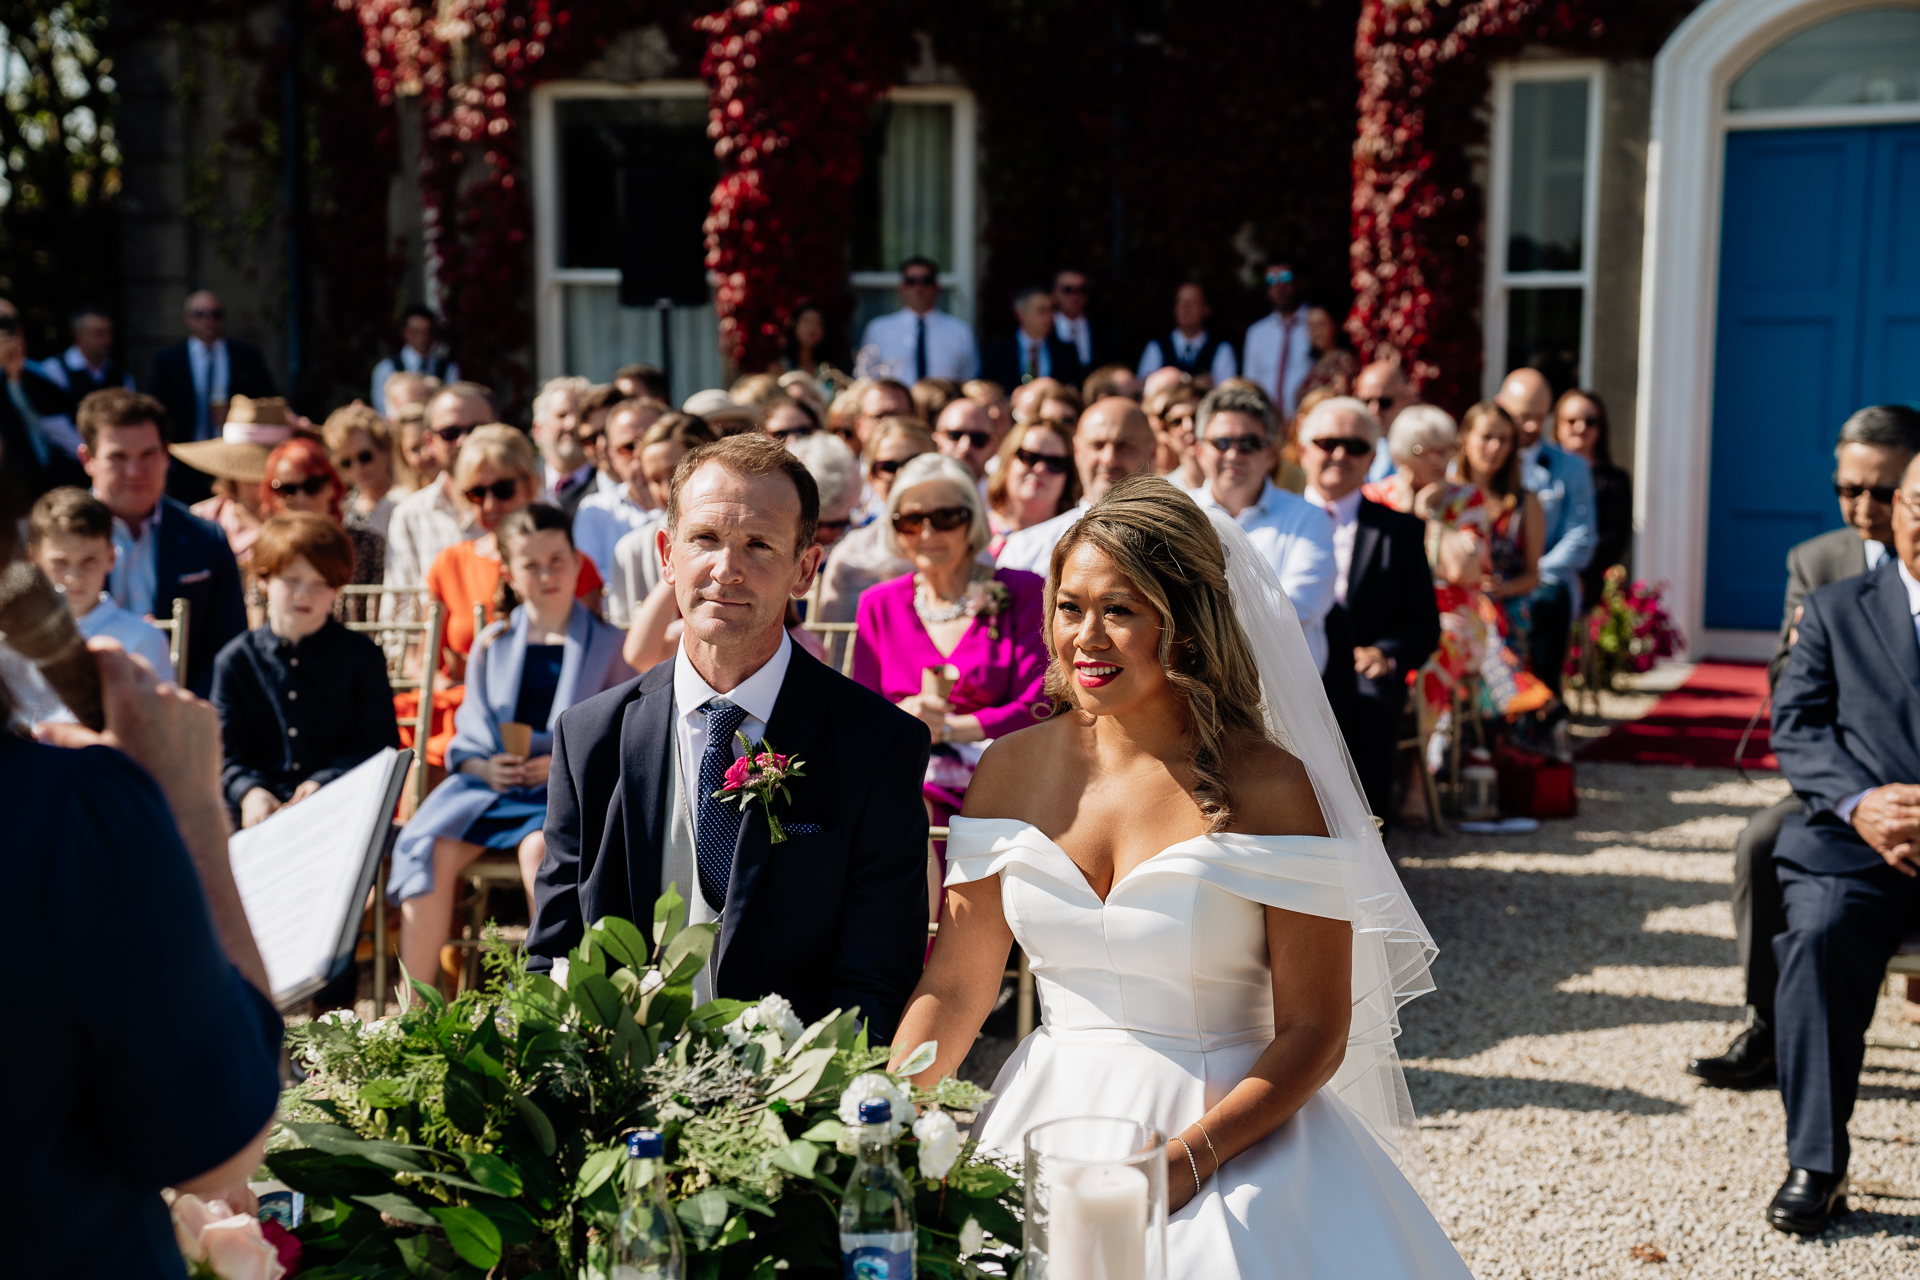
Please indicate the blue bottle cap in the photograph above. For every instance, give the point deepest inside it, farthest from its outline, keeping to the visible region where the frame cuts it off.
(876, 1111)
(646, 1144)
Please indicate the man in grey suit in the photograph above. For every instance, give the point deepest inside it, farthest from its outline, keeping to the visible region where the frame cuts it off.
(1873, 451)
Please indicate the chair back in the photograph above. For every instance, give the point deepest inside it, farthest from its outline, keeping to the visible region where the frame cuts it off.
(412, 648)
(835, 637)
(175, 629)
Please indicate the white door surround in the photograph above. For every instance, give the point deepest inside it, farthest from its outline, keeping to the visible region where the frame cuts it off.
(1680, 282)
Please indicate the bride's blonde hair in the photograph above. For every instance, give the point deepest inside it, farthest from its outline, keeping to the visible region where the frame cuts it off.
(1166, 547)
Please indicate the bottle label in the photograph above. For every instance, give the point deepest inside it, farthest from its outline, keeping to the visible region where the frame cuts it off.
(877, 1256)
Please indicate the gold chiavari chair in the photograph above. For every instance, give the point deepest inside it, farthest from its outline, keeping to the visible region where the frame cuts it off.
(175, 629)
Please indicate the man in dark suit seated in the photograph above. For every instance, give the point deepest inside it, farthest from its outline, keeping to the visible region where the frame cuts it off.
(1846, 727)
(162, 550)
(1874, 448)
(1384, 614)
(195, 380)
(836, 915)
(1034, 350)
(37, 443)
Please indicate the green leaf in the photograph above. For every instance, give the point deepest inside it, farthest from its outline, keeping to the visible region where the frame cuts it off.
(429, 996)
(493, 1173)
(797, 1157)
(472, 1235)
(669, 1009)
(598, 1000)
(595, 1170)
(829, 1131)
(319, 1174)
(395, 1205)
(919, 1060)
(536, 1120)
(517, 1226)
(718, 1013)
(669, 916)
(385, 1093)
(688, 952)
(466, 1099)
(623, 941)
(800, 1078)
(482, 1063)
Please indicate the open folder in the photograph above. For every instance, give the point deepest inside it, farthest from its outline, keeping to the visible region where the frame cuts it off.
(304, 874)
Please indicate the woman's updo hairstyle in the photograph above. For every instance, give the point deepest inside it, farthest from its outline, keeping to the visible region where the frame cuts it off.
(1165, 546)
(535, 517)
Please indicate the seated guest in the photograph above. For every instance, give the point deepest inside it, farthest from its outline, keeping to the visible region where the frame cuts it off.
(1170, 408)
(1384, 387)
(1489, 459)
(432, 518)
(964, 431)
(1846, 729)
(410, 467)
(1334, 367)
(1384, 613)
(1025, 398)
(642, 381)
(787, 419)
(567, 473)
(1207, 359)
(931, 395)
(70, 536)
(549, 654)
(302, 699)
(837, 472)
(992, 397)
(980, 623)
(1111, 443)
(494, 477)
(38, 443)
(609, 515)
(237, 461)
(1580, 428)
(594, 408)
(1060, 405)
(1563, 486)
(1033, 482)
(863, 557)
(1110, 380)
(362, 449)
(300, 477)
(877, 399)
(1875, 446)
(1421, 442)
(636, 563)
(1033, 350)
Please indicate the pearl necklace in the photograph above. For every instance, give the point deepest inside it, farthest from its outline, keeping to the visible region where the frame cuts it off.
(923, 603)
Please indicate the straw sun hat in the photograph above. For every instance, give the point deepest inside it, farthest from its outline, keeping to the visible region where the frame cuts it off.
(252, 430)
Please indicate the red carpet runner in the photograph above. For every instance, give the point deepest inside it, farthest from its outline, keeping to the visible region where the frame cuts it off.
(1698, 724)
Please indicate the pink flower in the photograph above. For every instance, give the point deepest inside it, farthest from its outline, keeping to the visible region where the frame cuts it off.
(737, 774)
(768, 760)
(229, 1243)
(286, 1245)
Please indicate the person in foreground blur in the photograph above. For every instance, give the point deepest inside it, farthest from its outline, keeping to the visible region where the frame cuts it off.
(834, 916)
(1033, 482)
(547, 654)
(1581, 428)
(862, 557)
(1204, 357)
(1563, 486)
(302, 699)
(1112, 442)
(186, 1070)
(419, 353)
(70, 538)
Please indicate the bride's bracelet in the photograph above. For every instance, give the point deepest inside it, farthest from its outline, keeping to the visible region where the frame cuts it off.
(1209, 1138)
(1191, 1163)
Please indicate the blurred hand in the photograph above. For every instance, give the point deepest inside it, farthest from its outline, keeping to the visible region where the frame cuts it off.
(257, 806)
(503, 772)
(534, 771)
(302, 791)
(1370, 662)
(930, 711)
(1888, 819)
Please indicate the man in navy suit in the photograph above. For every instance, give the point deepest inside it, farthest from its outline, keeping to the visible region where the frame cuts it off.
(1846, 728)
(193, 377)
(162, 550)
(1034, 350)
(835, 915)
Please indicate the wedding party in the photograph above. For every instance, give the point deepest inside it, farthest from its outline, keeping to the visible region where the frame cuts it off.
(1072, 641)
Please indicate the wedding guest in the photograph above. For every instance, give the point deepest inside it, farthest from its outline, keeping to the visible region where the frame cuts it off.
(1111, 443)
(362, 449)
(237, 461)
(964, 431)
(605, 518)
(88, 365)
(594, 408)
(648, 380)
(1384, 388)
(567, 473)
(837, 473)
(1489, 459)
(806, 338)
(38, 440)
(1278, 354)
(301, 699)
(1162, 378)
(411, 468)
(1170, 409)
(431, 518)
(1033, 350)
(1110, 380)
(1034, 481)
(196, 379)
(805, 387)
(403, 389)
(495, 475)
(1204, 357)
(1025, 399)
(548, 654)
(755, 389)
(918, 341)
(70, 536)
(1061, 406)
(1334, 367)
(1580, 427)
(863, 557)
(1071, 323)
(636, 563)
(300, 477)
(1421, 444)
(1563, 486)
(992, 397)
(951, 611)
(420, 352)
(931, 395)
(787, 419)
(843, 417)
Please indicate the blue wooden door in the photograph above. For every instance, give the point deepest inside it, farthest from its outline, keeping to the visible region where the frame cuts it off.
(1819, 314)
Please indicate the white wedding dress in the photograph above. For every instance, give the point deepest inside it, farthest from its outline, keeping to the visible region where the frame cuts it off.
(1156, 1003)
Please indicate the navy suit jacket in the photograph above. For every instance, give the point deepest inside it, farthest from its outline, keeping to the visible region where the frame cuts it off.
(834, 917)
(171, 382)
(1000, 362)
(194, 562)
(1846, 714)
(1390, 602)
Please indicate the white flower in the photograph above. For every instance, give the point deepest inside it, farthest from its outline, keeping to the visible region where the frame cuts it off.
(874, 1085)
(776, 1013)
(741, 1029)
(971, 1237)
(939, 1143)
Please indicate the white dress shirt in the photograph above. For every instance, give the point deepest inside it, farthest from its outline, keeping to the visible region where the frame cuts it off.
(1877, 554)
(1345, 514)
(1844, 810)
(423, 525)
(887, 348)
(134, 581)
(755, 695)
(599, 524)
(408, 361)
(1279, 356)
(210, 377)
(1297, 540)
(1078, 332)
(136, 635)
(1032, 547)
(1185, 349)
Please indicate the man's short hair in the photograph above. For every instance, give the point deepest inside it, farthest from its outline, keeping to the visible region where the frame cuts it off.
(117, 407)
(675, 427)
(1029, 293)
(420, 312)
(550, 390)
(1106, 381)
(604, 396)
(1890, 426)
(288, 535)
(1369, 425)
(340, 425)
(467, 391)
(921, 260)
(753, 455)
(1231, 399)
(84, 311)
(69, 512)
(651, 377)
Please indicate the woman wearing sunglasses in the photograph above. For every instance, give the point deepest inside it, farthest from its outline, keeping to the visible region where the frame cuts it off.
(300, 477)
(862, 557)
(1034, 481)
(955, 642)
(362, 447)
(493, 477)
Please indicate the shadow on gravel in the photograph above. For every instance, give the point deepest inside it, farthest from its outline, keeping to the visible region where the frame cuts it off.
(1435, 1092)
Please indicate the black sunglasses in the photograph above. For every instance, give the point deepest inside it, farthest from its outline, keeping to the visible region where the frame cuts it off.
(452, 435)
(500, 489)
(1353, 445)
(1054, 462)
(800, 432)
(888, 466)
(208, 313)
(1070, 288)
(919, 282)
(626, 447)
(974, 439)
(946, 520)
(312, 486)
(1880, 494)
(363, 458)
(1229, 444)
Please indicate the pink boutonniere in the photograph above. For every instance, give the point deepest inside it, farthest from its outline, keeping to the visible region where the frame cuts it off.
(760, 774)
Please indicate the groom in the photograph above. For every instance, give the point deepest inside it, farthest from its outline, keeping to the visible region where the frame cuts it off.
(835, 915)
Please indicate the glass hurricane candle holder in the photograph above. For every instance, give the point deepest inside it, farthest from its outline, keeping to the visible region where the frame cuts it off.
(1096, 1198)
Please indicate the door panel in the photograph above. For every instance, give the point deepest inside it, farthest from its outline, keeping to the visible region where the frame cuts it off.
(1890, 312)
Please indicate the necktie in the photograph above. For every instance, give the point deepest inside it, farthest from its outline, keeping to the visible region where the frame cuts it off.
(717, 826)
(29, 419)
(1029, 367)
(919, 348)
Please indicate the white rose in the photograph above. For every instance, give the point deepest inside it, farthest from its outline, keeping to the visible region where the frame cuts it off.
(775, 1012)
(741, 1029)
(939, 1143)
(874, 1085)
(971, 1237)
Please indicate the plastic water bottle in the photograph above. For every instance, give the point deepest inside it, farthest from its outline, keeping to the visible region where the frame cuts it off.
(648, 1244)
(877, 1239)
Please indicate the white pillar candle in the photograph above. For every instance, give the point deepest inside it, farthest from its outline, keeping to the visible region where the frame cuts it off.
(1097, 1225)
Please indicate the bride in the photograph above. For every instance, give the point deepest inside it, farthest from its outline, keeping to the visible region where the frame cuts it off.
(1220, 943)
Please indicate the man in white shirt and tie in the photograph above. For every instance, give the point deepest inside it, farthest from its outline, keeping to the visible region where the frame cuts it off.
(918, 341)
(1070, 323)
(1278, 351)
(1189, 348)
(419, 353)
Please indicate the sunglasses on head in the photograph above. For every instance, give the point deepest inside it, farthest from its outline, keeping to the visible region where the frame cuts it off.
(974, 439)
(1242, 444)
(1882, 494)
(1054, 462)
(363, 458)
(312, 486)
(945, 519)
(452, 435)
(918, 282)
(502, 490)
(1353, 446)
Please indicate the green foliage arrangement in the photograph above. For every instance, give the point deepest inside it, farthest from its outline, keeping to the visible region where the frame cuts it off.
(485, 1137)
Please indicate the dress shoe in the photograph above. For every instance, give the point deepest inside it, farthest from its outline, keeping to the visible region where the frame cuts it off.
(1747, 1063)
(1807, 1201)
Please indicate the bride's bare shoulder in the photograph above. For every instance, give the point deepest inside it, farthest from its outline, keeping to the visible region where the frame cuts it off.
(1021, 766)
(1271, 792)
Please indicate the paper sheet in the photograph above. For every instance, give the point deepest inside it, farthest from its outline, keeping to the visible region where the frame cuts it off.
(300, 873)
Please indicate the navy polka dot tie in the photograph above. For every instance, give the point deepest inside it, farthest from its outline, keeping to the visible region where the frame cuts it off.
(716, 827)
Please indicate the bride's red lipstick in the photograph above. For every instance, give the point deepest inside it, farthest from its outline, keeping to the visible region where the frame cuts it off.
(1093, 675)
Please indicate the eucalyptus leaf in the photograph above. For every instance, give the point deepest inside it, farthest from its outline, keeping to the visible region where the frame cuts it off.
(623, 941)
(718, 1013)
(598, 1000)
(395, 1205)
(385, 1093)
(799, 1079)
(517, 1226)
(428, 995)
(688, 952)
(466, 1099)
(669, 916)
(480, 1062)
(919, 1060)
(797, 1157)
(829, 1131)
(595, 1170)
(472, 1235)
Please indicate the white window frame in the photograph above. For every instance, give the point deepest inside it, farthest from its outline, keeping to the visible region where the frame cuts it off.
(1500, 282)
(959, 276)
(549, 277)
